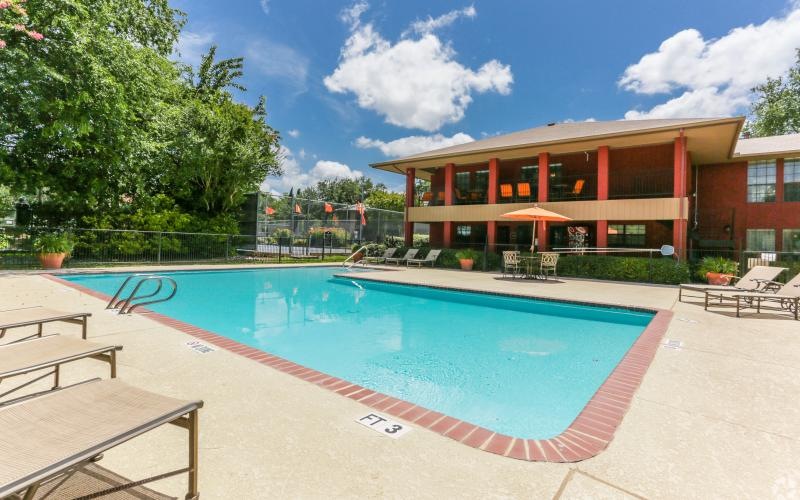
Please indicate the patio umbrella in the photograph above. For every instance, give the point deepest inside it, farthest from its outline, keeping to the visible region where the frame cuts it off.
(535, 214)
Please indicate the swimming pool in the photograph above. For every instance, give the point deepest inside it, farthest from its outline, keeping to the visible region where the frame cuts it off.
(516, 366)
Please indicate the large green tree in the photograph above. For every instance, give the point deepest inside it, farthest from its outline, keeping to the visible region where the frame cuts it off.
(78, 107)
(340, 190)
(776, 110)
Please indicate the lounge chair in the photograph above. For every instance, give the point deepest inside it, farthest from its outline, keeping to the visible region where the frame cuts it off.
(755, 279)
(788, 296)
(511, 263)
(31, 316)
(53, 435)
(50, 351)
(429, 259)
(380, 259)
(410, 254)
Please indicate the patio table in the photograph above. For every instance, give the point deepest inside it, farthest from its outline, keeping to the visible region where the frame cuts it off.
(531, 266)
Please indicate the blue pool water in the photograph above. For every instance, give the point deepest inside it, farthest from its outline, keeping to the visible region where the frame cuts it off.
(521, 367)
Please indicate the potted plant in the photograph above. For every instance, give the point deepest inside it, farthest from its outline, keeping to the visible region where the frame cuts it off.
(717, 270)
(53, 248)
(467, 259)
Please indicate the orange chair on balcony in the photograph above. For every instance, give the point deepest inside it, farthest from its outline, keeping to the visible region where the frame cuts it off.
(506, 192)
(524, 191)
(578, 188)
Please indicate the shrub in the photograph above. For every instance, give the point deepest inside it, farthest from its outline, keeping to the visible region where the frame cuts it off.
(54, 243)
(338, 235)
(606, 267)
(717, 265)
(468, 254)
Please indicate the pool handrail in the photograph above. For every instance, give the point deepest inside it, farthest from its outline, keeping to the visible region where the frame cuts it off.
(350, 262)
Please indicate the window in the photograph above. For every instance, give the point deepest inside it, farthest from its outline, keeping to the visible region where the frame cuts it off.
(482, 180)
(462, 181)
(791, 179)
(761, 181)
(465, 231)
(627, 235)
(791, 240)
(761, 240)
(529, 174)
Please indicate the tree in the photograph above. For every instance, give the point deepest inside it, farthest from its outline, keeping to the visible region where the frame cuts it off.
(220, 150)
(386, 200)
(13, 19)
(777, 108)
(338, 190)
(79, 107)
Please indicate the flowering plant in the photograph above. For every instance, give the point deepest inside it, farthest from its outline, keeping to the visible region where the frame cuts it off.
(13, 18)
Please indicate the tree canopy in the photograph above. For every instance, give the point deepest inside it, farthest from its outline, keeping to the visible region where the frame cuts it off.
(777, 107)
(98, 124)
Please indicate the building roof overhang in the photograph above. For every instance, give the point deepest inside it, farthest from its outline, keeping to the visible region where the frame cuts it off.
(710, 140)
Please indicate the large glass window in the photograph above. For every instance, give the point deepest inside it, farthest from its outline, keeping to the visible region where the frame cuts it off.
(791, 179)
(761, 181)
(482, 180)
(791, 240)
(761, 240)
(627, 235)
(530, 174)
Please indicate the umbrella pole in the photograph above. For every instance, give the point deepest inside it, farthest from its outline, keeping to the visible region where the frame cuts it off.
(533, 237)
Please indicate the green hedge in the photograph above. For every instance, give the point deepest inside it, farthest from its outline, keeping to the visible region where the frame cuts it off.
(606, 267)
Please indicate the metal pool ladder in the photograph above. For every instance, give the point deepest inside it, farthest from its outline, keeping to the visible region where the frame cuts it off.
(349, 262)
(128, 304)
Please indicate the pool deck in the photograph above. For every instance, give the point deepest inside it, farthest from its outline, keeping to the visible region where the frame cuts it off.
(718, 418)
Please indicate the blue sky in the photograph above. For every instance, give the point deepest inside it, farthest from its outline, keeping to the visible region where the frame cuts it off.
(351, 83)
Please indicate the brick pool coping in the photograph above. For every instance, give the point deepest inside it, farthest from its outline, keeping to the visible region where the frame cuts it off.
(590, 433)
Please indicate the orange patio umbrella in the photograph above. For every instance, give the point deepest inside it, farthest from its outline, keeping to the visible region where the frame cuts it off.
(535, 214)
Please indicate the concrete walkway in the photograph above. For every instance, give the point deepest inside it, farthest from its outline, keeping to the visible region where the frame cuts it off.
(718, 418)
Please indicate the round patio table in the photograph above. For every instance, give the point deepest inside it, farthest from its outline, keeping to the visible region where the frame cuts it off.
(531, 265)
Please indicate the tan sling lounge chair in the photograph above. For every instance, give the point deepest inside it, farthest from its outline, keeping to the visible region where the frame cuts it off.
(429, 259)
(788, 296)
(50, 352)
(55, 434)
(410, 254)
(755, 279)
(388, 254)
(30, 316)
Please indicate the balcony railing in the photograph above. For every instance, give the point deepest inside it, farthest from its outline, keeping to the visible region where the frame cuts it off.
(517, 192)
(658, 184)
(573, 187)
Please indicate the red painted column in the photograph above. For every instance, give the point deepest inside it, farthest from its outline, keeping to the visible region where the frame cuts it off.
(408, 230)
(447, 234)
(602, 172)
(491, 234)
(544, 176)
(494, 176)
(602, 234)
(449, 181)
(680, 169)
(544, 182)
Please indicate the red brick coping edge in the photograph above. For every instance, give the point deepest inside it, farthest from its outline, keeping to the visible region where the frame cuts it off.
(588, 435)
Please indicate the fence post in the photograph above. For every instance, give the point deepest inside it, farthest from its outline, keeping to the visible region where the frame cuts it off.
(159, 247)
(650, 266)
(280, 248)
(228, 247)
(485, 255)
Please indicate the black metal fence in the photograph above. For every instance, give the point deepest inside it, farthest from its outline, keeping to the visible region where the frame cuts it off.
(94, 247)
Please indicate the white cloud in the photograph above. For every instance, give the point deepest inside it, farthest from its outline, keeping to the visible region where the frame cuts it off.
(413, 83)
(192, 46)
(429, 25)
(279, 62)
(406, 146)
(295, 177)
(302, 154)
(294, 133)
(265, 6)
(715, 76)
(351, 16)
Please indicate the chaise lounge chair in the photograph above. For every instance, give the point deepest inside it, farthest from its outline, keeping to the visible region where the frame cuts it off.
(429, 259)
(755, 279)
(53, 435)
(38, 316)
(788, 296)
(50, 351)
(388, 254)
(410, 254)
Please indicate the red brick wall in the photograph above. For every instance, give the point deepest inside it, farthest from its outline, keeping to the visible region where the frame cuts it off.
(722, 189)
(629, 165)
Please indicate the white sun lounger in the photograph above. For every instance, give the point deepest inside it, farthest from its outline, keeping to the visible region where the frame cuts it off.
(755, 279)
(38, 316)
(788, 296)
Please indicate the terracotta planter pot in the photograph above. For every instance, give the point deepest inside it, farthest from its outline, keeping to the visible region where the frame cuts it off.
(718, 278)
(466, 264)
(52, 260)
